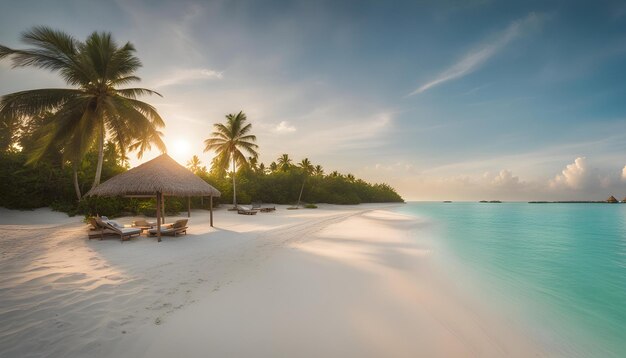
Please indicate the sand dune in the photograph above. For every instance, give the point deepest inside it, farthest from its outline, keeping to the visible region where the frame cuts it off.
(335, 282)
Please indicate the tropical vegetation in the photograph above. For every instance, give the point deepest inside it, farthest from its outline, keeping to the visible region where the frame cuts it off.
(75, 120)
(56, 144)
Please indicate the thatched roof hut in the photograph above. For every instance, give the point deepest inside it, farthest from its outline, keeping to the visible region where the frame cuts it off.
(611, 199)
(161, 176)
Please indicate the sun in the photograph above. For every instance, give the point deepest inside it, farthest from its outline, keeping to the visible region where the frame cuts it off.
(181, 148)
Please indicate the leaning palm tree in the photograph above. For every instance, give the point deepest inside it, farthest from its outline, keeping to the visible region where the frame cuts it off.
(307, 169)
(284, 162)
(96, 108)
(228, 140)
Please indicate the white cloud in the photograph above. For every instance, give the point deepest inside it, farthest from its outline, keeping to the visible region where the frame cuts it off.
(285, 127)
(180, 76)
(397, 167)
(581, 176)
(478, 56)
(506, 179)
(576, 175)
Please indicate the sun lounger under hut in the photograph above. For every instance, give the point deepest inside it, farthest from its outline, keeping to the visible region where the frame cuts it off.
(160, 177)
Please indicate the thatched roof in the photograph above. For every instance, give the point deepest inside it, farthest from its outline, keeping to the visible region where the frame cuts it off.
(162, 174)
(611, 199)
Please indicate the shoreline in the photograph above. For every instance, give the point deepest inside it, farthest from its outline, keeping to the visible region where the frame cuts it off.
(333, 281)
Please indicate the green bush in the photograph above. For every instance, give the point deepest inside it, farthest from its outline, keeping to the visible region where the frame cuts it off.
(310, 206)
(147, 208)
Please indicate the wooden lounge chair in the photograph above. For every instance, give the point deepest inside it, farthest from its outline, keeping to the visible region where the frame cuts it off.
(245, 211)
(99, 230)
(179, 226)
(143, 224)
(105, 228)
(125, 233)
(258, 206)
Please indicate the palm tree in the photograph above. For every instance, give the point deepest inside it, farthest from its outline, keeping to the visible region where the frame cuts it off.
(253, 163)
(350, 178)
(228, 140)
(273, 167)
(318, 170)
(144, 143)
(307, 169)
(262, 169)
(95, 108)
(194, 164)
(284, 162)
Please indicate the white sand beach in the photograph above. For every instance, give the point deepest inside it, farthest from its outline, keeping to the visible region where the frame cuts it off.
(338, 281)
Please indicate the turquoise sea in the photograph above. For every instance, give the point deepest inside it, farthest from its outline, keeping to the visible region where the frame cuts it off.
(560, 267)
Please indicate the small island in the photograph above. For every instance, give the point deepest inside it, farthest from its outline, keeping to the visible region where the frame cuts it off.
(610, 200)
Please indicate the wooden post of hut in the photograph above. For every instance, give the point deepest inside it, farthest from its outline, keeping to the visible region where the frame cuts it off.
(158, 200)
(211, 209)
(163, 208)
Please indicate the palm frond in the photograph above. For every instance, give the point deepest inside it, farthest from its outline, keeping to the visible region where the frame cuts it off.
(34, 102)
(121, 81)
(133, 93)
(147, 110)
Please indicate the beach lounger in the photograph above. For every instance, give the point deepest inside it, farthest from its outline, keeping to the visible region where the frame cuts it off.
(144, 224)
(108, 227)
(245, 210)
(178, 227)
(125, 233)
(258, 206)
(98, 230)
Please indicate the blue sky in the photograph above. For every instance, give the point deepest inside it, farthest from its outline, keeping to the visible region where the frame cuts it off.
(458, 100)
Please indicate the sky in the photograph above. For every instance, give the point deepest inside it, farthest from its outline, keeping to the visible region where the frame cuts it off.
(443, 100)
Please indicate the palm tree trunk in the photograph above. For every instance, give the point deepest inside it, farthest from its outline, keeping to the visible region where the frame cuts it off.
(234, 188)
(96, 179)
(75, 177)
(301, 189)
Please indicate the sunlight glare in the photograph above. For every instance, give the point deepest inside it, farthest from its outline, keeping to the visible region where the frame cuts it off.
(181, 149)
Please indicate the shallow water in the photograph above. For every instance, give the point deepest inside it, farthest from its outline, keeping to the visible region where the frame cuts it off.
(563, 265)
